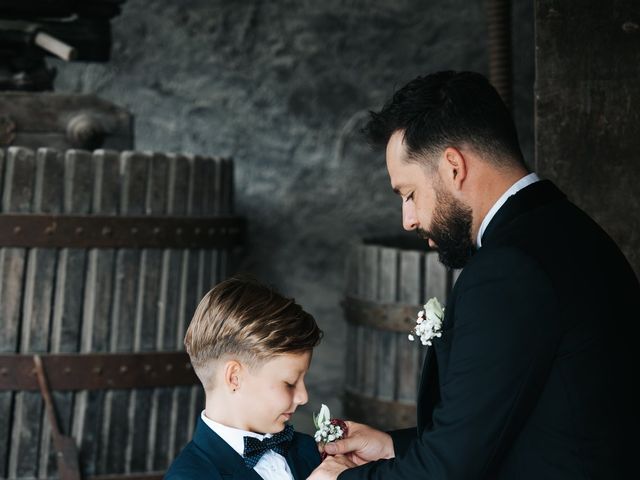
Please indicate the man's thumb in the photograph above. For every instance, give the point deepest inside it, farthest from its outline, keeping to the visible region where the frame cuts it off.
(335, 448)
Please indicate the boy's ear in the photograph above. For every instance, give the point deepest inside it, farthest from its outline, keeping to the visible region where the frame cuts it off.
(232, 375)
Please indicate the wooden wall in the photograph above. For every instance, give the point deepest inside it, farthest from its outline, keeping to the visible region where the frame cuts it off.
(587, 101)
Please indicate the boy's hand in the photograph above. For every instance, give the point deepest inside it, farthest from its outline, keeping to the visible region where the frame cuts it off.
(364, 444)
(331, 467)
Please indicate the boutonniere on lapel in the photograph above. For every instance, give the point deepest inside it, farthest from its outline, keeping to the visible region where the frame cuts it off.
(328, 429)
(429, 322)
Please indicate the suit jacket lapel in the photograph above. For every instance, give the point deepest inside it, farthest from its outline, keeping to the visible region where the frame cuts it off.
(294, 465)
(530, 197)
(428, 390)
(230, 464)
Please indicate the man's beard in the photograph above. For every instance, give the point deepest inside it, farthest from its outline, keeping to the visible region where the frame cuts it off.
(451, 230)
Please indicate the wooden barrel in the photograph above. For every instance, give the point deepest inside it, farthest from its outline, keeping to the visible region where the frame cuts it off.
(105, 252)
(388, 281)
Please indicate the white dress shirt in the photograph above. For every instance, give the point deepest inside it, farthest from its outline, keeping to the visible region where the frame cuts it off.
(515, 188)
(271, 466)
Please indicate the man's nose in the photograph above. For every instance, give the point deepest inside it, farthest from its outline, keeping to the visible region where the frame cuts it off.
(409, 220)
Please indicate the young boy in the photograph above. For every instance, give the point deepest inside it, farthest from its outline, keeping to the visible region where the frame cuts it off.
(251, 349)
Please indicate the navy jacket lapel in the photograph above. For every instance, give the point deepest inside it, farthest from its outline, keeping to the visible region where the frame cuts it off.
(229, 463)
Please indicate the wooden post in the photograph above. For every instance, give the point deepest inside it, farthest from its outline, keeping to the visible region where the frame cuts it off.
(588, 110)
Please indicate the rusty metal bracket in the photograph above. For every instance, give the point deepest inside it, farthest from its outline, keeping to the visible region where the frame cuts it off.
(98, 371)
(66, 449)
(108, 231)
(393, 317)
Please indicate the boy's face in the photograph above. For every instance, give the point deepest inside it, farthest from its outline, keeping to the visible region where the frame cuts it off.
(271, 392)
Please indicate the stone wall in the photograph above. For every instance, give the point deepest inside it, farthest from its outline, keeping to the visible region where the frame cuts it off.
(283, 87)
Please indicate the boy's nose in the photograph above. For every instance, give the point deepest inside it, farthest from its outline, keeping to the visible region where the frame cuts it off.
(301, 396)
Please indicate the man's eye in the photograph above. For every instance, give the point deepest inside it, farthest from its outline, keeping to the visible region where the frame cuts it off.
(290, 385)
(409, 197)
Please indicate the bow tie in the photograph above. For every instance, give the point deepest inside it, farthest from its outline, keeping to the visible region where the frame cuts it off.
(254, 448)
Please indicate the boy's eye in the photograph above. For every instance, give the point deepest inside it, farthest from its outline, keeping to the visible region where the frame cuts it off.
(409, 197)
(290, 385)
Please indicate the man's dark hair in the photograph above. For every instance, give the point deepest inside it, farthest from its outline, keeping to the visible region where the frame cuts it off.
(448, 109)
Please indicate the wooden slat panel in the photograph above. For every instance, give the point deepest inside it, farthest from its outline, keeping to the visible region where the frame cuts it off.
(134, 169)
(199, 264)
(69, 285)
(351, 275)
(410, 291)
(186, 297)
(147, 316)
(387, 341)
(369, 335)
(18, 184)
(89, 417)
(36, 317)
(171, 324)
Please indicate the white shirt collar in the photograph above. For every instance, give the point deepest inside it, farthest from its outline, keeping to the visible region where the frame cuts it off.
(233, 436)
(515, 188)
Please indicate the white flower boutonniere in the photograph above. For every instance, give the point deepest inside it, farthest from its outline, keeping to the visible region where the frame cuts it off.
(429, 322)
(328, 429)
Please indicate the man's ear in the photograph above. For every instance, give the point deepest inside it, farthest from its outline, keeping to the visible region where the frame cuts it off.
(232, 375)
(453, 168)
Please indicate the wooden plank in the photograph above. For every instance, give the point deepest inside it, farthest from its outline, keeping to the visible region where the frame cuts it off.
(89, 419)
(69, 292)
(387, 341)
(170, 325)
(182, 398)
(369, 346)
(409, 291)
(437, 279)
(147, 317)
(351, 275)
(36, 317)
(43, 113)
(199, 263)
(115, 457)
(17, 196)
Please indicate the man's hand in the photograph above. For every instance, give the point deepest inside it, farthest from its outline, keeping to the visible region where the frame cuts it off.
(330, 468)
(364, 444)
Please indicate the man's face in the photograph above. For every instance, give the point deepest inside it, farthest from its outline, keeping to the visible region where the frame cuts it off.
(427, 207)
(271, 392)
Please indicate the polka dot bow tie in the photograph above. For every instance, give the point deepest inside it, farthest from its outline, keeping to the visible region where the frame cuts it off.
(254, 448)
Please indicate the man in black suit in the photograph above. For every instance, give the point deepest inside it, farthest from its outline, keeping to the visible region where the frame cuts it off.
(533, 375)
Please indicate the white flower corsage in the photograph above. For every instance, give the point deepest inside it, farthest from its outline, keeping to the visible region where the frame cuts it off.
(429, 322)
(328, 429)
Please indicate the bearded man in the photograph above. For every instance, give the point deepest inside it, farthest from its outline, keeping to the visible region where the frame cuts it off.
(533, 375)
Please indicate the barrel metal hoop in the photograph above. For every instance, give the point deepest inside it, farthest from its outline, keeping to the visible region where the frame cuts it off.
(98, 371)
(368, 410)
(393, 317)
(110, 231)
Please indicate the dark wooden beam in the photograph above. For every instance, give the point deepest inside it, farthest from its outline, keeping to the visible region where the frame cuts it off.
(587, 99)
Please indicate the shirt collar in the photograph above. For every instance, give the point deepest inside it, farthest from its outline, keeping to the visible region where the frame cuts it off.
(515, 188)
(233, 436)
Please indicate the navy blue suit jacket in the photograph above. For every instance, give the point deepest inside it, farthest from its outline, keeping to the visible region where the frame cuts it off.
(208, 456)
(534, 375)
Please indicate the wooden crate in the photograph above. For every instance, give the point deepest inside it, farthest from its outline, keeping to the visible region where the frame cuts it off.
(127, 294)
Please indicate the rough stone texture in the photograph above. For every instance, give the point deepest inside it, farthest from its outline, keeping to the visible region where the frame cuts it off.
(283, 87)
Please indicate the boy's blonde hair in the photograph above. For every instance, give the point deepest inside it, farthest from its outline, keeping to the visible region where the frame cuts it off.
(245, 319)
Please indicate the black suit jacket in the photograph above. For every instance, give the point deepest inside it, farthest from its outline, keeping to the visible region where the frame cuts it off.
(534, 374)
(208, 456)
